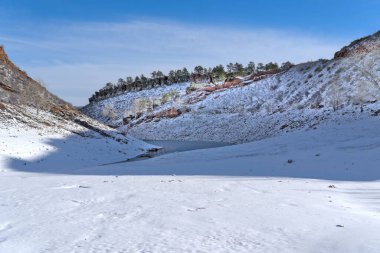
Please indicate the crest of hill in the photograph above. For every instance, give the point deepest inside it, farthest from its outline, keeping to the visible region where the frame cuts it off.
(31, 114)
(304, 95)
(19, 92)
(17, 88)
(360, 46)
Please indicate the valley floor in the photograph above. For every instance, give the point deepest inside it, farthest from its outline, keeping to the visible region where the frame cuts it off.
(306, 191)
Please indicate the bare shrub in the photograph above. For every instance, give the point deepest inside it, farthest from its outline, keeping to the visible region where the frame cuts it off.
(109, 112)
(362, 94)
(316, 100)
(280, 97)
(268, 108)
(35, 95)
(318, 69)
(335, 96)
(141, 105)
(368, 69)
(170, 96)
(273, 87)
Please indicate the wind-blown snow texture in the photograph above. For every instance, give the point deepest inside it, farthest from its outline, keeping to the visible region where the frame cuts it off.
(305, 191)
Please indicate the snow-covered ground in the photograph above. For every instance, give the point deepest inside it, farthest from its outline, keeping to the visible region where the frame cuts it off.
(315, 190)
(47, 142)
(36, 150)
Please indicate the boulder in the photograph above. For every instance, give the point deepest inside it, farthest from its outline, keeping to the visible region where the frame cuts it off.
(172, 113)
(232, 83)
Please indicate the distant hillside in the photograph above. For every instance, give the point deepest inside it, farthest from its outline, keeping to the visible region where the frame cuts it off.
(29, 110)
(256, 106)
(360, 46)
(18, 88)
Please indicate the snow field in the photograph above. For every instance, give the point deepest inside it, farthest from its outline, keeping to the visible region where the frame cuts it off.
(307, 191)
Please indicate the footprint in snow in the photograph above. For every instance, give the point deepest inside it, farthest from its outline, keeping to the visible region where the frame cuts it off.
(4, 228)
(170, 181)
(65, 187)
(196, 209)
(84, 186)
(70, 187)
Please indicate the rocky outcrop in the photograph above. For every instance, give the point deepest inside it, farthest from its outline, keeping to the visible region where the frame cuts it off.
(2, 106)
(16, 87)
(169, 113)
(19, 93)
(6, 88)
(360, 46)
(229, 83)
(64, 111)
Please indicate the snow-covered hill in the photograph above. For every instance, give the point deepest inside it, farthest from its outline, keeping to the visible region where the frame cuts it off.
(123, 103)
(35, 123)
(50, 143)
(301, 97)
(16, 87)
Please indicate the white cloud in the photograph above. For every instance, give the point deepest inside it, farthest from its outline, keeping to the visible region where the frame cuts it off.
(77, 59)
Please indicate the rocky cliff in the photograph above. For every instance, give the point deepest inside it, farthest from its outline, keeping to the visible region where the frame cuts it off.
(28, 106)
(16, 87)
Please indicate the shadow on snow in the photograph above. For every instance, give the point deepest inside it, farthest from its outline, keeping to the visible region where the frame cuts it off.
(86, 156)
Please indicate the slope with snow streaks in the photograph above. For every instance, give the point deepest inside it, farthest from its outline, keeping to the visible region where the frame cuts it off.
(301, 97)
(124, 102)
(54, 134)
(16, 87)
(45, 142)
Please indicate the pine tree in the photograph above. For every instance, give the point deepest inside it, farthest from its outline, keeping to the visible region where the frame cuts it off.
(129, 80)
(198, 70)
(230, 68)
(286, 65)
(238, 69)
(260, 67)
(144, 80)
(186, 74)
(172, 77)
(271, 66)
(251, 68)
(219, 72)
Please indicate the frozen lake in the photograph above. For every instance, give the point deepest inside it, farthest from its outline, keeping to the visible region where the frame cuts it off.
(168, 147)
(181, 146)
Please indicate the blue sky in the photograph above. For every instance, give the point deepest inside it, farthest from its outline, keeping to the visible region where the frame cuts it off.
(77, 46)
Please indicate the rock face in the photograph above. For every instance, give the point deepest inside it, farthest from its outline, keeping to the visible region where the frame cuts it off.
(2, 106)
(16, 87)
(360, 46)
